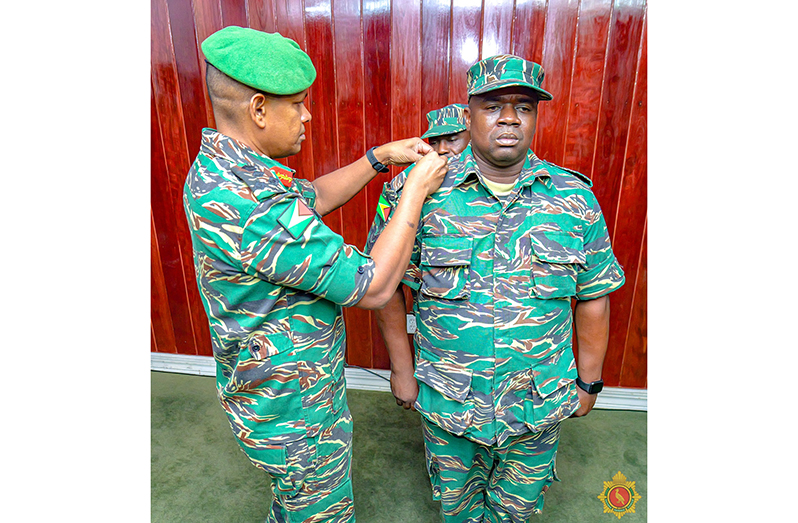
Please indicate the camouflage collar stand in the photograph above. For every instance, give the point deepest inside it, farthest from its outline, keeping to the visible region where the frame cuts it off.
(215, 143)
(532, 170)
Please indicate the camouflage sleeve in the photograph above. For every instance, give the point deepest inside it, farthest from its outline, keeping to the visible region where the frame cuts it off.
(389, 199)
(602, 273)
(284, 242)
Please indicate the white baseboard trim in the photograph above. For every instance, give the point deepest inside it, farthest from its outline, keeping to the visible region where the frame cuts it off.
(611, 398)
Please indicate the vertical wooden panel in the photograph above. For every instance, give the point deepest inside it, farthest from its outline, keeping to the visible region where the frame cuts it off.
(349, 75)
(192, 89)
(558, 52)
(377, 101)
(634, 368)
(529, 29)
(290, 22)
(234, 12)
(466, 41)
(163, 331)
(497, 28)
(435, 32)
(622, 53)
(261, 15)
(406, 69)
(591, 47)
(207, 20)
(168, 262)
(168, 97)
(324, 137)
(630, 222)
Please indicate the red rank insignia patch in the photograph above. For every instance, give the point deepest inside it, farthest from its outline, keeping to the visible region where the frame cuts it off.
(284, 175)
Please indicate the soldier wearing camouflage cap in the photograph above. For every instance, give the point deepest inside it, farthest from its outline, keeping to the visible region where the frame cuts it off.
(273, 277)
(447, 132)
(501, 249)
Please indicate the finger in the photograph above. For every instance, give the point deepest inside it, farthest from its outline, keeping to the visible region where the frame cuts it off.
(423, 147)
(399, 402)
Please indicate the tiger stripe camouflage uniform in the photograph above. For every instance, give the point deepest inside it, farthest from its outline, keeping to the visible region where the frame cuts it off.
(493, 281)
(273, 278)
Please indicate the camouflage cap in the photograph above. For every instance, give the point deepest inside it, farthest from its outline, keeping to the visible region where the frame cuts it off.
(446, 120)
(505, 70)
(267, 62)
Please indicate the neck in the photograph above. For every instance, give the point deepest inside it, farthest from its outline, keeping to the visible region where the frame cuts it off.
(498, 174)
(239, 134)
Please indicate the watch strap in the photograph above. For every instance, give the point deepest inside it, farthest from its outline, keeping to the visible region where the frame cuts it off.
(591, 388)
(376, 165)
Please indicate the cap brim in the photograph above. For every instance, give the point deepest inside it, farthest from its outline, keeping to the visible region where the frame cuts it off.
(543, 95)
(440, 130)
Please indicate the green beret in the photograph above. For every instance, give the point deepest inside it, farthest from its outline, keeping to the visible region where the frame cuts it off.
(267, 62)
(505, 70)
(446, 120)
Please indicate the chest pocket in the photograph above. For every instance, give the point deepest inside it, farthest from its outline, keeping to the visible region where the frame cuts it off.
(556, 259)
(445, 266)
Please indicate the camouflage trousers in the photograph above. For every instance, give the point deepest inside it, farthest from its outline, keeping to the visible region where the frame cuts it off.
(317, 484)
(476, 483)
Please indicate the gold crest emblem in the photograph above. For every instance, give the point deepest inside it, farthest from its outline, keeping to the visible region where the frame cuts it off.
(619, 496)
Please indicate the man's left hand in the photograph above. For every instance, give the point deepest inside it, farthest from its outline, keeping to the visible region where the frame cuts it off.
(586, 402)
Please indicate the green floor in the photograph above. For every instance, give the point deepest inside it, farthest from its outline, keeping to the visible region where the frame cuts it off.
(199, 474)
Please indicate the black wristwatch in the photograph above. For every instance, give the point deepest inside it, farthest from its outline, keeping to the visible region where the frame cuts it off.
(591, 388)
(380, 168)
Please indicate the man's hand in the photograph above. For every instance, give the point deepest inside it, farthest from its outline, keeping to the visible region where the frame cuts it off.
(402, 152)
(404, 388)
(586, 402)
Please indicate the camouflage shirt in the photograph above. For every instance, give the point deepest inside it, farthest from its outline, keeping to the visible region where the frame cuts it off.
(273, 279)
(493, 281)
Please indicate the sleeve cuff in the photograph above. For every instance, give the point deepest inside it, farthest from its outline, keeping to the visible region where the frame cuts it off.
(351, 277)
(600, 280)
(412, 277)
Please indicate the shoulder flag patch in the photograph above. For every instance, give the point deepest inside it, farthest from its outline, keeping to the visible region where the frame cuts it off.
(296, 218)
(383, 208)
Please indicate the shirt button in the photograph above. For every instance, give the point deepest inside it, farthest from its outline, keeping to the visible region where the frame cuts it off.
(360, 270)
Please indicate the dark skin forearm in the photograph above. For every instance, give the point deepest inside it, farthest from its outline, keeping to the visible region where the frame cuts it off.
(592, 323)
(338, 187)
(391, 321)
(391, 252)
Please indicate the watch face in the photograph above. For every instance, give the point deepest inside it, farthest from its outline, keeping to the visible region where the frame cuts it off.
(591, 388)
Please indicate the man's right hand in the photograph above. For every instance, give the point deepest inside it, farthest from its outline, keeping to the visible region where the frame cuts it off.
(404, 388)
(428, 172)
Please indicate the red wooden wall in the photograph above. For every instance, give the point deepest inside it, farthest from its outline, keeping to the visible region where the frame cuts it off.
(382, 65)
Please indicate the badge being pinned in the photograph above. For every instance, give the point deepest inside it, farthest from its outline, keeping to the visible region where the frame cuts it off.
(296, 218)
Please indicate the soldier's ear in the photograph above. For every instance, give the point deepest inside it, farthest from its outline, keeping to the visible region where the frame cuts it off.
(467, 116)
(257, 109)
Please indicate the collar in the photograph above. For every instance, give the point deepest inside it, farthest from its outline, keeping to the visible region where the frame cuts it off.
(216, 144)
(533, 168)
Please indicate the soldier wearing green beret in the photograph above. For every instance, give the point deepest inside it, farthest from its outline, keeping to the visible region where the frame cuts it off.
(273, 277)
(501, 249)
(447, 132)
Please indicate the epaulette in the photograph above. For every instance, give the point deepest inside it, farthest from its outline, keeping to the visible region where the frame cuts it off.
(397, 182)
(562, 170)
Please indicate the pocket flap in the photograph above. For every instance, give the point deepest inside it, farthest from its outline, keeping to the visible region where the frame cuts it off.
(559, 247)
(263, 346)
(446, 251)
(549, 377)
(448, 378)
